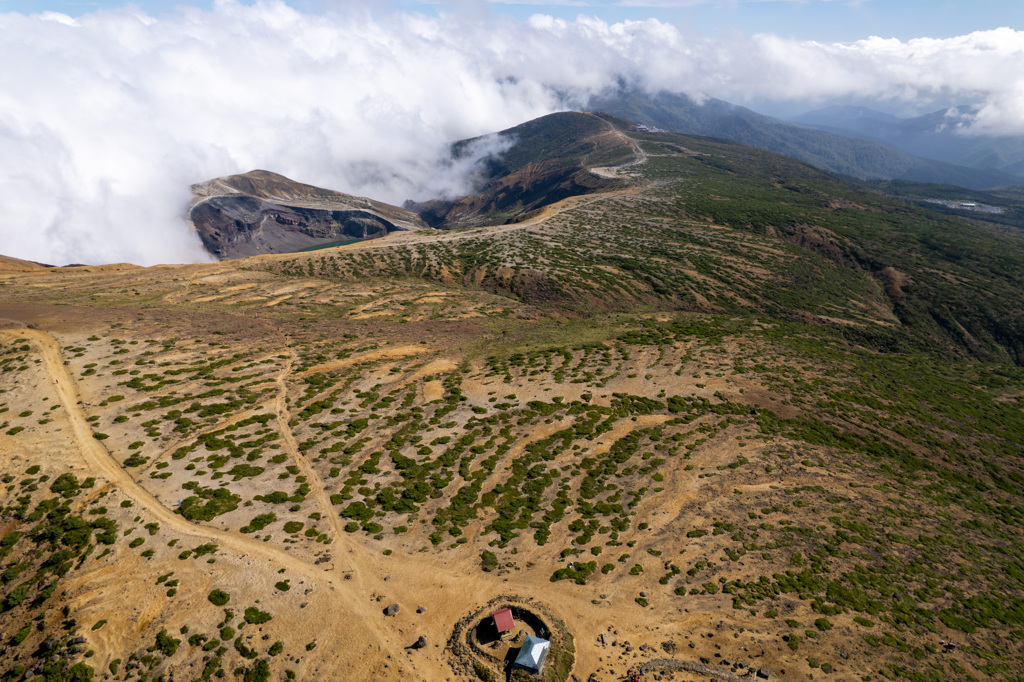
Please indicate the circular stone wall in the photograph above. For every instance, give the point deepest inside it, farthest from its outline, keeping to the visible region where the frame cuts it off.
(477, 650)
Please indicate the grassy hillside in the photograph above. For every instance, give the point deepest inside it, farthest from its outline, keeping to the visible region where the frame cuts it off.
(835, 151)
(547, 160)
(727, 228)
(727, 414)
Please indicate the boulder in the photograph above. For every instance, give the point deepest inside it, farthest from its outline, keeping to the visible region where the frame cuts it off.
(391, 610)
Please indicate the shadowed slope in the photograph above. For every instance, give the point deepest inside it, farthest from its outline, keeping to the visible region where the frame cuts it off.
(262, 212)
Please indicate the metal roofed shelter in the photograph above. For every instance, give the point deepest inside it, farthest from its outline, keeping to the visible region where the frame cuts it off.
(503, 621)
(532, 654)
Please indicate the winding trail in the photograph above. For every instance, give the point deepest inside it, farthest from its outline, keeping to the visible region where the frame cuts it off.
(291, 446)
(103, 463)
(613, 172)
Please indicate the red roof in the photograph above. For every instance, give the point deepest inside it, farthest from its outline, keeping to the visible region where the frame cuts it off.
(503, 620)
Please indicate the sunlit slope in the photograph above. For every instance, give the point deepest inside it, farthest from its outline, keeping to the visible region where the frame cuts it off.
(711, 226)
(733, 469)
(709, 417)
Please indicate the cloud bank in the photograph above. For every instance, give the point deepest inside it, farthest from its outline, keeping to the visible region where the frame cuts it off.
(107, 119)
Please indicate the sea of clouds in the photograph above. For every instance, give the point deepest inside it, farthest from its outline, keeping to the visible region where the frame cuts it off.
(106, 119)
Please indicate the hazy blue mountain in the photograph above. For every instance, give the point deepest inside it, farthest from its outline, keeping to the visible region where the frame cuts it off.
(847, 153)
(938, 135)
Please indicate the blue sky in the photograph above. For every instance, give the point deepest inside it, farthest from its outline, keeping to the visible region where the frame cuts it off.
(824, 20)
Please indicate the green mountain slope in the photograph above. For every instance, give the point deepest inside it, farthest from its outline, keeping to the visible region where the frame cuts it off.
(546, 161)
(860, 158)
(787, 240)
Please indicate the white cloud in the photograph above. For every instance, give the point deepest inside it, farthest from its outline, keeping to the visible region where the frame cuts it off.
(106, 119)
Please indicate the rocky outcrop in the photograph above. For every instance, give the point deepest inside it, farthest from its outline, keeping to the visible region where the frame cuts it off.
(261, 212)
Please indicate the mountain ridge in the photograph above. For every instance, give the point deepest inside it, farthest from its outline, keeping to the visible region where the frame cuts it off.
(937, 135)
(845, 154)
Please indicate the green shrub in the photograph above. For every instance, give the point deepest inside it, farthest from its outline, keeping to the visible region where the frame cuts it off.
(254, 616)
(166, 644)
(219, 598)
(260, 522)
(483, 673)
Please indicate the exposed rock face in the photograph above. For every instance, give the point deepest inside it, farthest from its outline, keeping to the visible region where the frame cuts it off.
(262, 212)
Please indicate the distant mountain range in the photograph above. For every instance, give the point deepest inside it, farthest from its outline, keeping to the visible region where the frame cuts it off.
(938, 135)
(850, 153)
